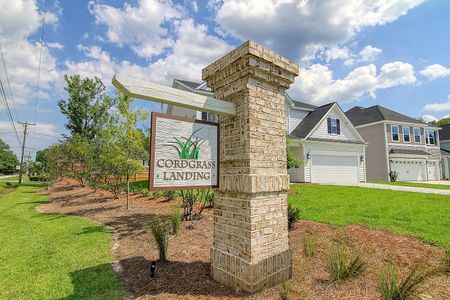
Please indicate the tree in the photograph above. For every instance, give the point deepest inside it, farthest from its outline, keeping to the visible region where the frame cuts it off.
(8, 160)
(87, 107)
(123, 145)
(77, 153)
(291, 160)
(441, 122)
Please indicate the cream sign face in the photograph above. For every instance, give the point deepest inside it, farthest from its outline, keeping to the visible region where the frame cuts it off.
(184, 153)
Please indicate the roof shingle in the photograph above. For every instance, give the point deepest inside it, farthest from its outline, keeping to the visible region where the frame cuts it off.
(361, 116)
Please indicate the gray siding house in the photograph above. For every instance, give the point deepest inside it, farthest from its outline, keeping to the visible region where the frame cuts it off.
(331, 149)
(397, 143)
(444, 139)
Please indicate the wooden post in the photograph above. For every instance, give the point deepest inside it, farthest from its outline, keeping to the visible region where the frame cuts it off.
(251, 249)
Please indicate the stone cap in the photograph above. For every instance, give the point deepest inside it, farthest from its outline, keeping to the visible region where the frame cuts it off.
(251, 59)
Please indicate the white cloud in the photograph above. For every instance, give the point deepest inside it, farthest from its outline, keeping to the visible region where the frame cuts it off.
(291, 26)
(140, 27)
(334, 53)
(18, 20)
(435, 71)
(443, 106)
(316, 83)
(369, 53)
(192, 51)
(429, 118)
(55, 46)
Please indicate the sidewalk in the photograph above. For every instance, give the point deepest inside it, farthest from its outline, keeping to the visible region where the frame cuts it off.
(405, 188)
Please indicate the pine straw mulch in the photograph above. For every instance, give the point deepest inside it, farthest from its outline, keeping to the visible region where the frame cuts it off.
(186, 275)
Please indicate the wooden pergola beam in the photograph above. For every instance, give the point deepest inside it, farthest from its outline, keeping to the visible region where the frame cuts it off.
(154, 92)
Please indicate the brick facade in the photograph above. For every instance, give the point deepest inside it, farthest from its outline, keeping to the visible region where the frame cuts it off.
(251, 248)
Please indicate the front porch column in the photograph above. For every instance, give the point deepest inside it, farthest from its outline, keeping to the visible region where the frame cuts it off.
(251, 249)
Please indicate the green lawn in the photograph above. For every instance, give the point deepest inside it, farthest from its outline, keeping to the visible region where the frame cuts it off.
(47, 256)
(416, 184)
(426, 216)
(13, 178)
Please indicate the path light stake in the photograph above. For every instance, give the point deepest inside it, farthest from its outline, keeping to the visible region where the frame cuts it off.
(153, 269)
(251, 249)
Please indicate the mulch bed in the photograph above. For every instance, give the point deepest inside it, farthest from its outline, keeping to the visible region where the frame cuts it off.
(186, 275)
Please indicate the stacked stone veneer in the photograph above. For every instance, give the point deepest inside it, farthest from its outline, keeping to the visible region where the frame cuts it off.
(251, 249)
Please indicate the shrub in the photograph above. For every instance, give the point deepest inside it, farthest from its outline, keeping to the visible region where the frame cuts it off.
(286, 291)
(175, 218)
(393, 175)
(310, 244)
(391, 288)
(293, 215)
(340, 267)
(42, 178)
(169, 195)
(189, 198)
(161, 237)
(144, 192)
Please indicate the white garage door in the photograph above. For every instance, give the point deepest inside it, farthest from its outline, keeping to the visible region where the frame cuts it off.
(408, 170)
(334, 169)
(432, 170)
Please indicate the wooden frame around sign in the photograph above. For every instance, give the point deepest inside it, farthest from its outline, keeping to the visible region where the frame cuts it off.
(151, 186)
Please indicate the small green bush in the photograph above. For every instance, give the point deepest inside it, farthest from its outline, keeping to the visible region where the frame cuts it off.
(169, 195)
(161, 236)
(293, 215)
(393, 176)
(340, 267)
(175, 218)
(392, 288)
(41, 178)
(310, 244)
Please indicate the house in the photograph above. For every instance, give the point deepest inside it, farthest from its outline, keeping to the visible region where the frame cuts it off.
(193, 87)
(330, 148)
(444, 140)
(397, 143)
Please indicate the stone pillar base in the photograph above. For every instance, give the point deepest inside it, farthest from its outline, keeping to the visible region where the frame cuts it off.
(242, 275)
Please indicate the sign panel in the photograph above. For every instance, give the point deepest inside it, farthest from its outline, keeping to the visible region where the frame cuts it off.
(184, 153)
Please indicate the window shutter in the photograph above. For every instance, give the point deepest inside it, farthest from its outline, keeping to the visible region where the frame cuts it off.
(338, 126)
(329, 124)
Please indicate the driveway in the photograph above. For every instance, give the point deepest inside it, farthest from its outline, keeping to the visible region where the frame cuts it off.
(406, 188)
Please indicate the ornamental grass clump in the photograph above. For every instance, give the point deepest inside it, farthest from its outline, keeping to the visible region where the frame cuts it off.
(169, 194)
(310, 244)
(293, 215)
(161, 236)
(340, 267)
(394, 288)
(175, 219)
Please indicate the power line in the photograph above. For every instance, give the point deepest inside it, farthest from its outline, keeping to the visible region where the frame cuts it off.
(7, 81)
(8, 112)
(40, 61)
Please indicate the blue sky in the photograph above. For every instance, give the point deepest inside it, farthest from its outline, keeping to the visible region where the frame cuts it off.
(360, 52)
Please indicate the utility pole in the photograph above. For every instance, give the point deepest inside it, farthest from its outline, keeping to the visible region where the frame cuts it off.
(25, 131)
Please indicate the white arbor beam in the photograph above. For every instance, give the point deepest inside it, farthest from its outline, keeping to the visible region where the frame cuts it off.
(154, 92)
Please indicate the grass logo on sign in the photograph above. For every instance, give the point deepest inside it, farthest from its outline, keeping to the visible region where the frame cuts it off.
(190, 148)
(184, 153)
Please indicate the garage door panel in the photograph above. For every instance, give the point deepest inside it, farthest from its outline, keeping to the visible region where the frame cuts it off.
(334, 169)
(409, 170)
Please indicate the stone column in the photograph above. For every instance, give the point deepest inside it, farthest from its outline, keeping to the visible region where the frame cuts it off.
(251, 249)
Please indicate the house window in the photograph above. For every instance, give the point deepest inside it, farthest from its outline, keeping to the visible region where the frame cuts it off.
(406, 137)
(334, 126)
(394, 132)
(208, 117)
(417, 135)
(430, 137)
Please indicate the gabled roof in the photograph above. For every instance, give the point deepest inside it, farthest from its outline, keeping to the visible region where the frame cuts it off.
(360, 116)
(445, 152)
(444, 133)
(303, 105)
(311, 120)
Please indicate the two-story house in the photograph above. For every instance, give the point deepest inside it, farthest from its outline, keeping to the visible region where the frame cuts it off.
(397, 143)
(330, 148)
(444, 140)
